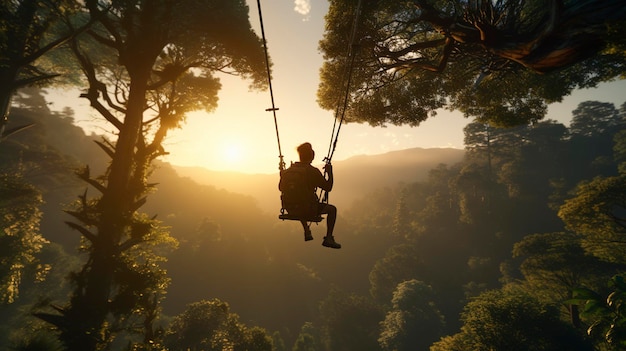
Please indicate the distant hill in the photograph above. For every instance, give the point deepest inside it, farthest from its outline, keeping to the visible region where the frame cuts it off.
(354, 177)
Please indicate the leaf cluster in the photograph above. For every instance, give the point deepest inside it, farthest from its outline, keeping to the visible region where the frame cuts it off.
(501, 62)
(608, 314)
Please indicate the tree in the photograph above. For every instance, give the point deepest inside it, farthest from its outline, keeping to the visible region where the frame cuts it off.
(308, 339)
(30, 30)
(349, 322)
(510, 319)
(498, 61)
(592, 118)
(45, 281)
(593, 127)
(605, 314)
(209, 325)
(554, 264)
(147, 65)
(414, 322)
(619, 151)
(256, 339)
(20, 240)
(278, 343)
(32, 172)
(596, 212)
(400, 263)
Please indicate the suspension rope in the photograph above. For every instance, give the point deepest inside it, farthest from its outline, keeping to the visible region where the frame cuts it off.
(273, 109)
(340, 111)
(341, 106)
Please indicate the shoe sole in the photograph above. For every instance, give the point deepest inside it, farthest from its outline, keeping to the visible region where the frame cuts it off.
(332, 246)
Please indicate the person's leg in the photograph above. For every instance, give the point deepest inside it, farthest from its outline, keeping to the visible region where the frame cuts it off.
(307, 231)
(331, 211)
(329, 240)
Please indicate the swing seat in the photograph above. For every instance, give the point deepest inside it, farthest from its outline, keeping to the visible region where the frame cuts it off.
(293, 217)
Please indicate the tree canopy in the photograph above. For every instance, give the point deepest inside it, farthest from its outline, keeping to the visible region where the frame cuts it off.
(498, 61)
(209, 325)
(30, 29)
(510, 319)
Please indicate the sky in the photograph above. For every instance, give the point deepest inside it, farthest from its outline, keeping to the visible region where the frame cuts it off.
(240, 134)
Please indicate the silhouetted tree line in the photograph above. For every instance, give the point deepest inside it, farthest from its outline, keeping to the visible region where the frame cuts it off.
(509, 249)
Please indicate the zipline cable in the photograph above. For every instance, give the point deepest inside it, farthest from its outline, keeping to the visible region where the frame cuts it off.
(348, 80)
(273, 109)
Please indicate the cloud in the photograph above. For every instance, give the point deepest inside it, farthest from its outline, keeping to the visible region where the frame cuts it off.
(302, 7)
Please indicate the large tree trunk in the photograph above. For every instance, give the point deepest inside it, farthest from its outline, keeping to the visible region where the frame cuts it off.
(91, 309)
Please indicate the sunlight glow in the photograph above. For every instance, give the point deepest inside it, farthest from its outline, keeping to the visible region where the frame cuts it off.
(231, 152)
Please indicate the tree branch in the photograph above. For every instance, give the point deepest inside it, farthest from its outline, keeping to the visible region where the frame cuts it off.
(95, 86)
(86, 233)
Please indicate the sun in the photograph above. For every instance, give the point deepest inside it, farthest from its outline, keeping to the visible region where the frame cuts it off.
(231, 152)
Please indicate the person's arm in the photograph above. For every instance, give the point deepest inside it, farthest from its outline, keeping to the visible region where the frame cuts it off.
(330, 181)
(280, 182)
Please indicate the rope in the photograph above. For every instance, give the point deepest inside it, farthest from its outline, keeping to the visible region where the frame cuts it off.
(348, 80)
(348, 74)
(273, 109)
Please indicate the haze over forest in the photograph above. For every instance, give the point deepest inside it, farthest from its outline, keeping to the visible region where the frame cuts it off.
(443, 233)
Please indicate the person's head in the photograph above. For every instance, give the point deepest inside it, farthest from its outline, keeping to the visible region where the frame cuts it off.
(306, 153)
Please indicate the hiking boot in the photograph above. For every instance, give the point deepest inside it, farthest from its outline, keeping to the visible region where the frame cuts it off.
(307, 235)
(329, 241)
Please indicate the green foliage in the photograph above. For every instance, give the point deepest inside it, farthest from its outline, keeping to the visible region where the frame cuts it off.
(30, 30)
(606, 316)
(596, 213)
(414, 322)
(619, 151)
(510, 319)
(593, 118)
(553, 264)
(38, 342)
(400, 263)
(19, 327)
(20, 240)
(278, 344)
(209, 325)
(349, 322)
(504, 190)
(500, 62)
(308, 339)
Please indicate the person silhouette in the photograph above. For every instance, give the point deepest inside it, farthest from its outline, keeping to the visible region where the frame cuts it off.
(313, 180)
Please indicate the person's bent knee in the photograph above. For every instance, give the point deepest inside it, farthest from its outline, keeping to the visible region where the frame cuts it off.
(331, 209)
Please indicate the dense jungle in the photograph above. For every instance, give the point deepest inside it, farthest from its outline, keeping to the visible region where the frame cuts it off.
(515, 242)
(485, 250)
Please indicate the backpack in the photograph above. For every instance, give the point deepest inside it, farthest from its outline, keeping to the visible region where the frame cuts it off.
(297, 196)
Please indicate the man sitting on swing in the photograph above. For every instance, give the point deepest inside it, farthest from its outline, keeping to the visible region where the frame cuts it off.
(298, 185)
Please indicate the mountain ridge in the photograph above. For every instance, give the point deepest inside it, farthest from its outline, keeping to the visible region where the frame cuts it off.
(354, 176)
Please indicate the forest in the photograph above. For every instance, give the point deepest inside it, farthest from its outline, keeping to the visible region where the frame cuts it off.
(514, 243)
(493, 251)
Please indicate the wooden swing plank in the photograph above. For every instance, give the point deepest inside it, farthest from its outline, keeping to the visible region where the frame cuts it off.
(289, 217)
